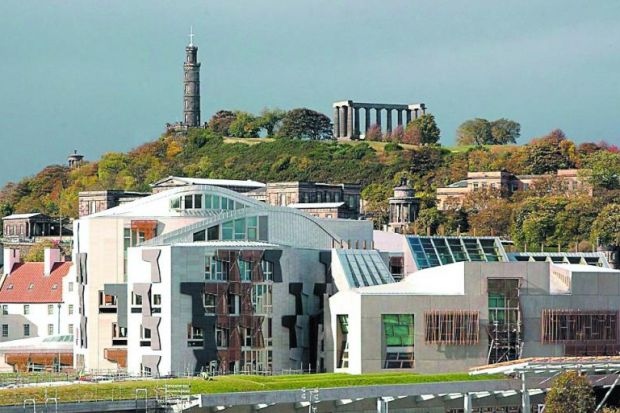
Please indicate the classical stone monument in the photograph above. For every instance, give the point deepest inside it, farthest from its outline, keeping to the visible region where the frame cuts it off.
(347, 117)
(404, 207)
(191, 97)
(75, 159)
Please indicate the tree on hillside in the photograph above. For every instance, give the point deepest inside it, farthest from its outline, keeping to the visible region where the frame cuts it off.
(474, 132)
(505, 131)
(482, 132)
(602, 169)
(570, 393)
(550, 153)
(305, 123)
(376, 205)
(220, 122)
(373, 134)
(606, 226)
(424, 130)
(429, 220)
(270, 120)
(245, 125)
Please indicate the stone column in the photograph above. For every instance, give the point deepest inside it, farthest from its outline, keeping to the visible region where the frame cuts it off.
(356, 122)
(423, 107)
(378, 117)
(367, 113)
(408, 116)
(415, 111)
(342, 118)
(336, 122)
(399, 117)
(389, 120)
(350, 122)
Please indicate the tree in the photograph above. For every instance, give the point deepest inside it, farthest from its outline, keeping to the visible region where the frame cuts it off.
(244, 126)
(376, 205)
(304, 123)
(270, 120)
(35, 253)
(550, 153)
(428, 221)
(425, 129)
(505, 131)
(396, 135)
(570, 393)
(602, 169)
(373, 134)
(220, 122)
(606, 226)
(474, 132)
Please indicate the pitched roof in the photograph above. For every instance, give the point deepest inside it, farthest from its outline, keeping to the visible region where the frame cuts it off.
(207, 181)
(22, 216)
(27, 284)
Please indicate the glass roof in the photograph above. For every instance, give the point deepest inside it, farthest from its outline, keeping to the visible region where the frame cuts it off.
(364, 268)
(435, 251)
(582, 258)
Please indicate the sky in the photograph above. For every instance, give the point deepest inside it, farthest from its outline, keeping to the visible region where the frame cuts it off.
(102, 76)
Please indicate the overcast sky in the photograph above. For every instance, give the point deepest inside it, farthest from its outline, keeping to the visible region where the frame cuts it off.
(100, 76)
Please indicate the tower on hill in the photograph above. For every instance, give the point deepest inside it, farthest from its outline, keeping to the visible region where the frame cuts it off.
(191, 98)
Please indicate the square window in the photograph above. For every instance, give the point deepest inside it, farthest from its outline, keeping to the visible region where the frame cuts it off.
(26, 330)
(5, 330)
(50, 329)
(50, 309)
(26, 309)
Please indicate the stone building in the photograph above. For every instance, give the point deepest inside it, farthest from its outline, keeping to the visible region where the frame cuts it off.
(232, 184)
(318, 199)
(349, 125)
(505, 184)
(91, 202)
(75, 159)
(21, 227)
(404, 207)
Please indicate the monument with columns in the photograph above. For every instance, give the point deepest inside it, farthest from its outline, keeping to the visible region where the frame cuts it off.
(347, 123)
(404, 207)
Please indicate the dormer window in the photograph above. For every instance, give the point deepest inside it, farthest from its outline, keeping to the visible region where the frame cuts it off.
(31, 286)
(55, 286)
(9, 287)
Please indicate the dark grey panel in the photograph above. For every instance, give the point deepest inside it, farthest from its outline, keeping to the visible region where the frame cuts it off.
(289, 321)
(120, 292)
(274, 256)
(325, 257)
(263, 228)
(152, 256)
(208, 352)
(81, 290)
(296, 289)
(80, 268)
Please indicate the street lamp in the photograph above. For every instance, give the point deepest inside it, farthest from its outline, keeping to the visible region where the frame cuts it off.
(312, 396)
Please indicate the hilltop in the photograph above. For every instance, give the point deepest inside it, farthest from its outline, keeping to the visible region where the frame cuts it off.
(377, 166)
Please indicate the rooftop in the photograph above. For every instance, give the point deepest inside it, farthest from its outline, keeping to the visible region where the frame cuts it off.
(215, 182)
(28, 284)
(311, 205)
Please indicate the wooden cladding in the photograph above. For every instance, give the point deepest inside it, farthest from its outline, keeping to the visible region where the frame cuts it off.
(457, 327)
(562, 326)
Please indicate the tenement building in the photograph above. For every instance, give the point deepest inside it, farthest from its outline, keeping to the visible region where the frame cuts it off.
(505, 183)
(199, 278)
(349, 125)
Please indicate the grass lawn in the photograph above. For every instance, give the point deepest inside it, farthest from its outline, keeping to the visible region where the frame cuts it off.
(377, 146)
(222, 384)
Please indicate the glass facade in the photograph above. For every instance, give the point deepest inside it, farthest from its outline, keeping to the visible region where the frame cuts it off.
(204, 201)
(398, 340)
(435, 251)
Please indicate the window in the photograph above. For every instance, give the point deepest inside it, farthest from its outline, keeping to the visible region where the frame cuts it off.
(451, 327)
(175, 203)
(261, 299)
(245, 270)
(50, 309)
(221, 337)
(239, 229)
(145, 337)
(247, 337)
(26, 330)
(5, 309)
(560, 326)
(209, 302)
(267, 267)
(107, 303)
(342, 345)
(215, 270)
(70, 309)
(198, 201)
(70, 329)
(5, 330)
(26, 309)
(136, 300)
(119, 335)
(252, 228)
(227, 230)
(194, 336)
(50, 329)
(398, 338)
(157, 299)
(233, 304)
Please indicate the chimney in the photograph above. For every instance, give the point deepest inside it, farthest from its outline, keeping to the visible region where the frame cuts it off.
(11, 257)
(52, 256)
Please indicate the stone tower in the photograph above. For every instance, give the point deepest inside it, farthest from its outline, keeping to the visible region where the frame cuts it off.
(404, 207)
(191, 82)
